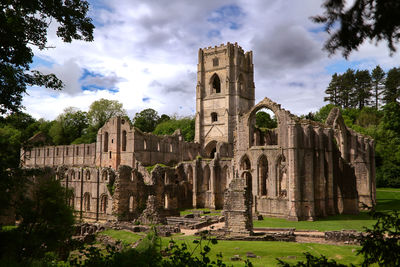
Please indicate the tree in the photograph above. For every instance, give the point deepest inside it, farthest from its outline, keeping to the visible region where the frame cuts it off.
(346, 92)
(378, 80)
(68, 126)
(362, 88)
(364, 19)
(322, 114)
(333, 90)
(164, 117)
(24, 24)
(146, 120)
(102, 110)
(264, 120)
(46, 219)
(186, 125)
(392, 86)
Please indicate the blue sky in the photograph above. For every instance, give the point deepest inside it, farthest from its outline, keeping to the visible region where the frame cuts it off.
(144, 55)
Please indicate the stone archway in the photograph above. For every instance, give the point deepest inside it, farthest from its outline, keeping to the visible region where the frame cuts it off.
(210, 149)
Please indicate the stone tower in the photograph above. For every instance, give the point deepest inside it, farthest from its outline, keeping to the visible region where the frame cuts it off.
(225, 90)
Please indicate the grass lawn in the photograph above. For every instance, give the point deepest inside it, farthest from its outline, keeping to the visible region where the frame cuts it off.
(268, 251)
(125, 236)
(387, 199)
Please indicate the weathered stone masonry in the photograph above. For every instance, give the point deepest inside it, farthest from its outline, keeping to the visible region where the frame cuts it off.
(301, 170)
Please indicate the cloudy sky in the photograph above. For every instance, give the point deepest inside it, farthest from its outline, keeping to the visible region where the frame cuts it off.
(144, 54)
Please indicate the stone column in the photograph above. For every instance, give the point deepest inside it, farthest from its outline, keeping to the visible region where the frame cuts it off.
(308, 188)
(195, 184)
(213, 179)
(321, 170)
(292, 161)
(329, 158)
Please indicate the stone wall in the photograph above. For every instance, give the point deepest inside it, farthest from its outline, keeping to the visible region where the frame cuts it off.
(302, 174)
(71, 155)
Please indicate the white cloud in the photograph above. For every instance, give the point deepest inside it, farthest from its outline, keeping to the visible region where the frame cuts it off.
(147, 50)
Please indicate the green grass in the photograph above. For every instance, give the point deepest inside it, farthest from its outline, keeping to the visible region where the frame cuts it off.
(387, 199)
(6, 228)
(125, 236)
(268, 251)
(150, 168)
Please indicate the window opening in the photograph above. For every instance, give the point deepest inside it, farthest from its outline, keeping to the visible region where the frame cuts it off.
(214, 117)
(106, 142)
(215, 62)
(124, 140)
(216, 84)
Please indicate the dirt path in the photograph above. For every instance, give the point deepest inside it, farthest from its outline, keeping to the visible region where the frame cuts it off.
(301, 236)
(214, 226)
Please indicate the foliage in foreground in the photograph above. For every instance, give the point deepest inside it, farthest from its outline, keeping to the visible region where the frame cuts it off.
(46, 221)
(149, 253)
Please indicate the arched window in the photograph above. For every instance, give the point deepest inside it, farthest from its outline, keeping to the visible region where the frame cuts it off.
(158, 146)
(245, 163)
(88, 175)
(105, 142)
(87, 150)
(103, 203)
(263, 175)
(72, 175)
(131, 204)
(170, 147)
(282, 177)
(206, 178)
(144, 145)
(216, 84)
(66, 152)
(124, 140)
(263, 129)
(86, 202)
(77, 151)
(214, 117)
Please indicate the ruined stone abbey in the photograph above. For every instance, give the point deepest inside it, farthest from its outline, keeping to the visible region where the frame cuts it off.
(301, 170)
